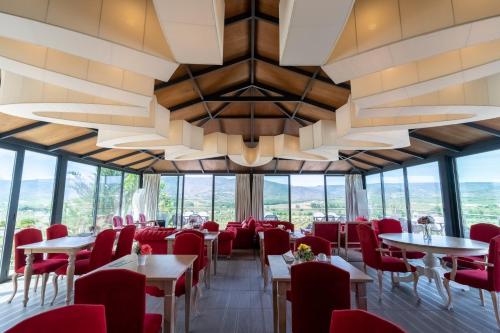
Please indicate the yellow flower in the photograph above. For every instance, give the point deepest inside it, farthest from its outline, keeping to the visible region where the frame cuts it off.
(304, 247)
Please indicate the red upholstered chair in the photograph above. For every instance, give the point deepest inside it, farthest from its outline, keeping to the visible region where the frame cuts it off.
(318, 245)
(245, 233)
(225, 242)
(483, 279)
(392, 226)
(204, 262)
(59, 231)
(117, 222)
(276, 242)
(211, 226)
(317, 289)
(83, 318)
(483, 232)
(121, 291)
(125, 240)
(39, 267)
(329, 231)
(372, 257)
(155, 237)
(349, 236)
(102, 253)
(129, 219)
(360, 321)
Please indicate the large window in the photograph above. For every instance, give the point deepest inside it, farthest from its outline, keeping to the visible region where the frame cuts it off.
(110, 182)
(394, 192)
(276, 199)
(308, 199)
(374, 194)
(224, 199)
(6, 172)
(130, 186)
(479, 182)
(79, 194)
(198, 196)
(424, 187)
(335, 194)
(168, 199)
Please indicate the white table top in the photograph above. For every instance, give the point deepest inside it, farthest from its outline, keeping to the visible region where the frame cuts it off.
(59, 244)
(158, 266)
(437, 244)
(209, 236)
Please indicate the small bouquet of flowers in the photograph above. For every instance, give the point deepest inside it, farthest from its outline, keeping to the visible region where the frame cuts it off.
(304, 253)
(142, 251)
(426, 221)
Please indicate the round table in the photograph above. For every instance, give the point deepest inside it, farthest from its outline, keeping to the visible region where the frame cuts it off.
(451, 246)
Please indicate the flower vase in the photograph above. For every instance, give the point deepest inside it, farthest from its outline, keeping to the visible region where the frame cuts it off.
(427, 233)
(141, 260)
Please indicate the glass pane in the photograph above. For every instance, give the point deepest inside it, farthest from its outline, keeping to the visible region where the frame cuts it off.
(8, 158)
(308, 199)
(276, 197)
(394, 191)
(479, 182)
(167, 199)
(198, 196)
(110, 183)
(225, 200)
(374, 193)
(424, 186)
(78, 208)
(130, 185)
(335, 194)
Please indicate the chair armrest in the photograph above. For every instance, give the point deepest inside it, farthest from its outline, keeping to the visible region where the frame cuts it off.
(487, 264)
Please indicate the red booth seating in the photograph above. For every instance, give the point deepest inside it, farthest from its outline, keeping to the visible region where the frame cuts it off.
(155, 237)
(211, 226)
(387, 226)
(329, 231)
(83, 318)
(266, 225)
(360, 321)
(245, 233)
(225, 239)
(316, 290)
(122, 292)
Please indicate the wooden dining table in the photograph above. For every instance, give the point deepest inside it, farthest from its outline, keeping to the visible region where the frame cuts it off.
(69, 245)
(162, 271)
(211, 241)
(444, 245)
(281, 280)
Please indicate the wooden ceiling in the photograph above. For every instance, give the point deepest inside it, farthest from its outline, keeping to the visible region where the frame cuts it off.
(251, 95)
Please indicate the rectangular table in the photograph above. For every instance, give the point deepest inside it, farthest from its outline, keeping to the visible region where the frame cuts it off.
(211, 241)
(281, 283)
(162, 271)
(68, 245)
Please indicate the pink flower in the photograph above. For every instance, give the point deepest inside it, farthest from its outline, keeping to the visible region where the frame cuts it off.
(146, 249)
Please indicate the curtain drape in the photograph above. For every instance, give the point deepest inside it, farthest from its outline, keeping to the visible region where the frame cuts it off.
(258, 197)
(151, 187)
(356, 200)
(243, 197)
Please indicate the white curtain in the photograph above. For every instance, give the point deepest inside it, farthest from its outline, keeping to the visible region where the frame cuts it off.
(243, 197)
(258, 197)
(356, 200)
(151, 187)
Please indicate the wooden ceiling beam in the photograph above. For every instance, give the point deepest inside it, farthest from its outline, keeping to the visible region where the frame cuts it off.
(94, 152)
(306, 91)
(484, 129)
(249, 16)
(59, 145)
(435, 142)
(12, 132)
(121, 157)
(412, 153)
(382, 157)
(198, 91)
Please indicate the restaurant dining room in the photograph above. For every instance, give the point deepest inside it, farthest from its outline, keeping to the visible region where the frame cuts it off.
(237, 166)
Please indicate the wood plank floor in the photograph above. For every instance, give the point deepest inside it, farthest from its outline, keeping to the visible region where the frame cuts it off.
(237, 303)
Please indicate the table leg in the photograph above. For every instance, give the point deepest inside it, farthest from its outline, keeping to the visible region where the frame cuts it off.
(261, 254)
(275, 307)
(169, 306)
(28, 271)
(209, 266)
(282, 289)
(360, 295)
(70, 272)
(170, 246)
(187, 297)
(216, 250)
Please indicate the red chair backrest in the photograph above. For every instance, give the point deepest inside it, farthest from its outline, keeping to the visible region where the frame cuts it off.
(351, 232)
(211, 226)
(389, 226)
(125, 241)
(317, 289)
(190, 243)
(129, 219)
(121, 291)
(142, 218)
(53, 232)
(494, 258)
(369, 245)
(484, 232)
(318, 245)
(83, 318)
(102, 252)
(360, 321)
(327, 230)
(117, 222)
(191, 231)
(276, 241)
(23, 237)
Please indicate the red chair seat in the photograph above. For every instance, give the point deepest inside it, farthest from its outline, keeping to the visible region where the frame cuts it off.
(81, 267)
(475, 278)
(392, 264)
(152, 323)
(83, 254)
(44, 266)
(180, 285)
(155, 291)
(466, 262)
